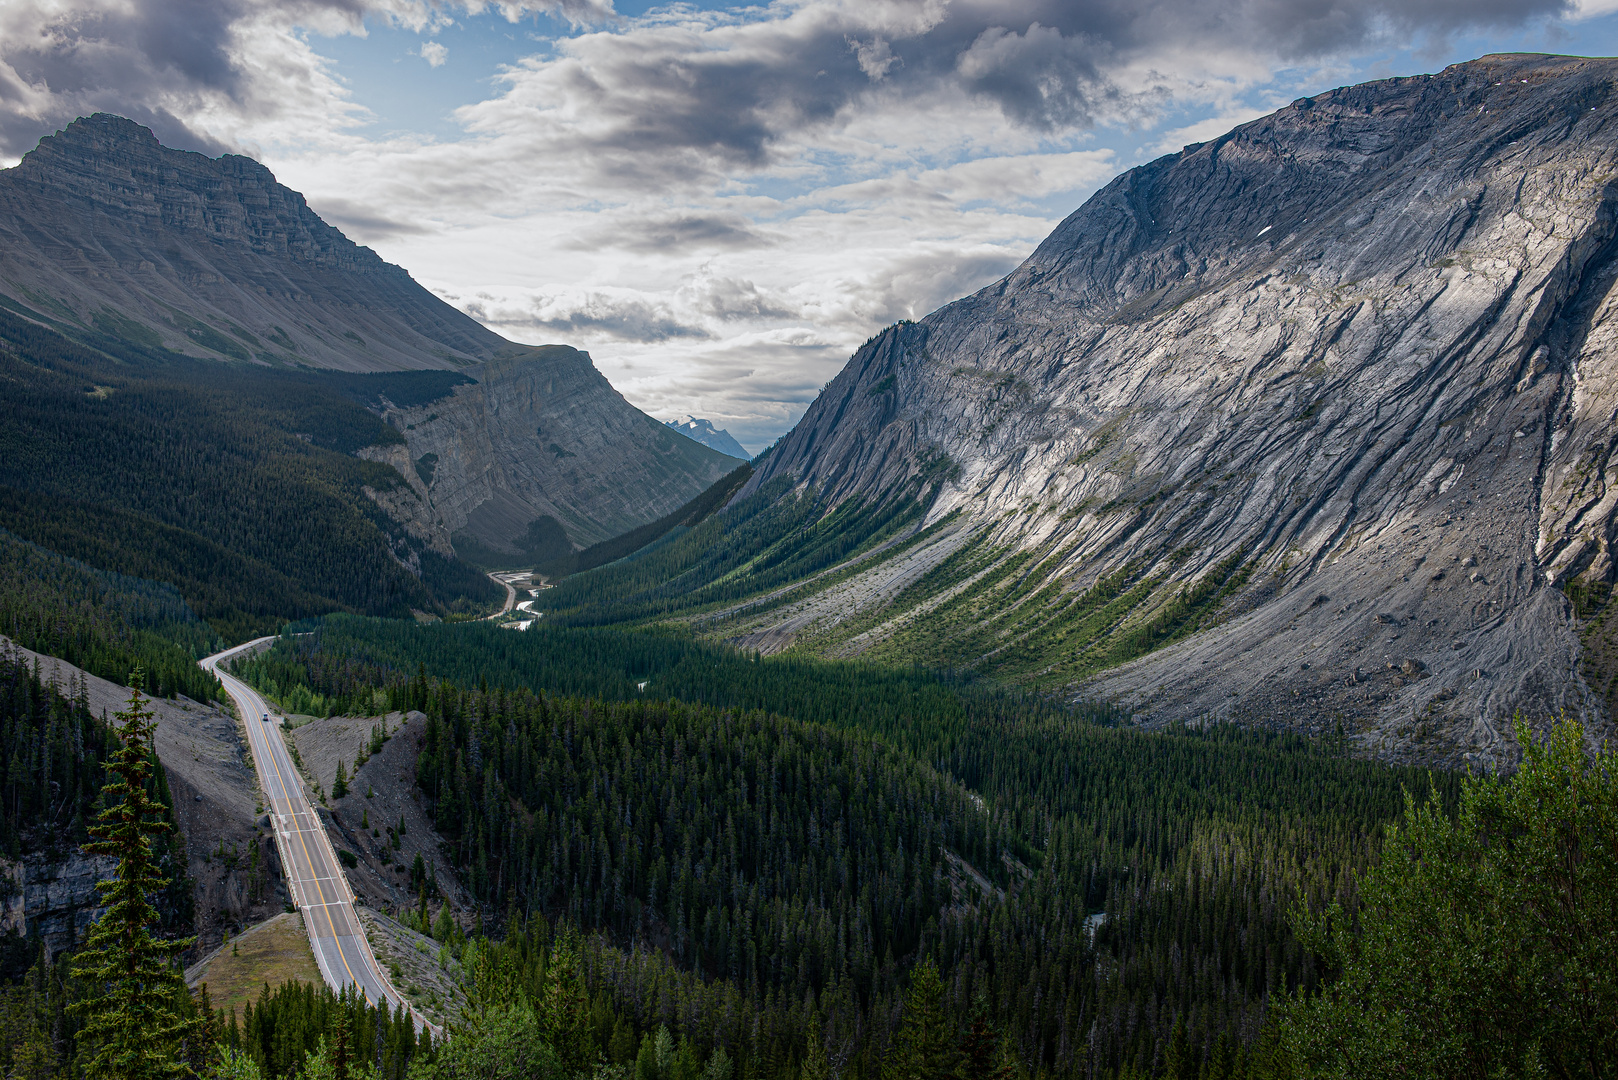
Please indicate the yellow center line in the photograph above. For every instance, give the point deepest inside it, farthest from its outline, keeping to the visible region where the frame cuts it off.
(325, 908)
(287, 798)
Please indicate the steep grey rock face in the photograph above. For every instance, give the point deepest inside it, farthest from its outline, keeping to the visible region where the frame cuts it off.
(1364, 345)
(102, 227)
(55, 901)
(541, 434)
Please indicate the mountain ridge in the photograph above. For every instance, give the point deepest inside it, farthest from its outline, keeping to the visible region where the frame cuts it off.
(1309, 424)
(119, 242)
(714, 438)
(102, 226)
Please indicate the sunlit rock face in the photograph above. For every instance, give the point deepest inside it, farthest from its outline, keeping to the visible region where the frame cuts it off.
(1365, 344)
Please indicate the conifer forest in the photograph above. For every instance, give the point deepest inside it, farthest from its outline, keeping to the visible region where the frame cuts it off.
(1189, 655)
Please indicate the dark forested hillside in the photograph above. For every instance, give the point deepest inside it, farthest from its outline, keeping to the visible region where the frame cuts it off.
(234, 483)
(769, 851)
(1146, 878)
(105, 623)
(774, 539)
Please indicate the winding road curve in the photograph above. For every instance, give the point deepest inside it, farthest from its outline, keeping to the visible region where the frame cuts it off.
(505, 579)
(315, 881)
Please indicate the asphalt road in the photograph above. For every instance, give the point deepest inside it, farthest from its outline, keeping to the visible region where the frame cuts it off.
(511, 593)
(314, 879)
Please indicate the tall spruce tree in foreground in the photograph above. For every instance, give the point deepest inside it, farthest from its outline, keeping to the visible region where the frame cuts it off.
(137, 1015)
(1487, 944)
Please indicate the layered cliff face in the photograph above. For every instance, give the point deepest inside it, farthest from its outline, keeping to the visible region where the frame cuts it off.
(1312, 423)
(539, 456)
(102, 229)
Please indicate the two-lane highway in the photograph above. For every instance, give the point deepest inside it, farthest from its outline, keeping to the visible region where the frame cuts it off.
(314, 879)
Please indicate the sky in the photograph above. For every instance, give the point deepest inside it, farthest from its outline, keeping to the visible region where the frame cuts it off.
(718, 202)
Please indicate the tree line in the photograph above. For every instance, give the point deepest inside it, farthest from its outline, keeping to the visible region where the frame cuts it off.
(106, 623)
(1141, 881)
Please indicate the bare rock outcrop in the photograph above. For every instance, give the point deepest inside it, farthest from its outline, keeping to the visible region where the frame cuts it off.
(540, 435)
(382, 796)
(1363, 346)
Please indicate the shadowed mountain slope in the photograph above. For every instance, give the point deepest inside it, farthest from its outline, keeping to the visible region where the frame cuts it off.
(139, 250)
(100, 226)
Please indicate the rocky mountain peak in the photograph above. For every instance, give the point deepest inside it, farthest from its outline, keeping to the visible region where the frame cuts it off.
(1344, 377)
(104, 229)
(704, 432)
(109, 165)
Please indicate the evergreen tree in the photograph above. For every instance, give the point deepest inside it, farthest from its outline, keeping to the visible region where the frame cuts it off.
(1180, 1061)
(621, 1049)
(564, 1014)
(685, 1065)
(204, 1048)
(339, 784)
(141, 1019)
(502, 1044)
(646, 1059)
(980, 1049)
(923, 1048)
(235, 1065)
(444, 926)
(1485, 941)
(815, 1065)
(719, 1066)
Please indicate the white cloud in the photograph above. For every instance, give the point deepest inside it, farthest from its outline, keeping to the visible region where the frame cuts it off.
(719, 204)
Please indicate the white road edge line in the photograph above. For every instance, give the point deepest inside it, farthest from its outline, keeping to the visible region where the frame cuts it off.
(295, 885)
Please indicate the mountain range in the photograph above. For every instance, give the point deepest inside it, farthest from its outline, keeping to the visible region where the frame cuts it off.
(122, 244)
(1311, 424)
(705, 433)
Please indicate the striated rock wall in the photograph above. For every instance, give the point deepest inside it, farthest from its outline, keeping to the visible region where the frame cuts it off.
(1364, 345)
(55, 901)
(541, 434)
(105, 230)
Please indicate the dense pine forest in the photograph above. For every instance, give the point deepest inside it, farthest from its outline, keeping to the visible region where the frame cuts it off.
(235, 484)
(1099, 891)
(105, 623)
